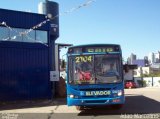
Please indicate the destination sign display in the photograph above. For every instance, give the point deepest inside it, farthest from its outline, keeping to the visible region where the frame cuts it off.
(94, 49)
(90, 50)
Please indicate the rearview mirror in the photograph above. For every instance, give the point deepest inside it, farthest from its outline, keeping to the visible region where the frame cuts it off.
(126, 68)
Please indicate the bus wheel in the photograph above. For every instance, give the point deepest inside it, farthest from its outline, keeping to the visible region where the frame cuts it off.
(79, 108)
(117, 106)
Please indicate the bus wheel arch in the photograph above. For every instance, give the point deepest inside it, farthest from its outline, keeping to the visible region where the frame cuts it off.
(79, 108)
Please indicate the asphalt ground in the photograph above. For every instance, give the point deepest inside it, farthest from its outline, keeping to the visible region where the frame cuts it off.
(140, 103)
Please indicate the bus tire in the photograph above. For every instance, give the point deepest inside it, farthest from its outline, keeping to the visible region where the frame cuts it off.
(79, 108)
(117, 106)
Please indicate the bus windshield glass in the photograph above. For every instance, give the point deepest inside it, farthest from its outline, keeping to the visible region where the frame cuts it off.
(94, 69)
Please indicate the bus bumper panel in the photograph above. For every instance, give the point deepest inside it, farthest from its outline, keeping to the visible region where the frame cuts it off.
(97, 101)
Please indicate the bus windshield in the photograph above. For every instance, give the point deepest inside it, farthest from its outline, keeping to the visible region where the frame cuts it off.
(94, 69)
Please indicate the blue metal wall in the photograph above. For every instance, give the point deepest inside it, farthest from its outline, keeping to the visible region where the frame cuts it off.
(24, 67)
(24, 72)
(22, 19)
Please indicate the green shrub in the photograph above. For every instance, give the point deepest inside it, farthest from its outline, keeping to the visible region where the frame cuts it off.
(140, 82)
(144, 83)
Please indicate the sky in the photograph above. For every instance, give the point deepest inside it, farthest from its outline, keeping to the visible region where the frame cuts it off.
(134, 24)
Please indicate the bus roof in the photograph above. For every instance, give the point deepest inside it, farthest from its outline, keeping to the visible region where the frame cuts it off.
(95, 48)
(93, 45)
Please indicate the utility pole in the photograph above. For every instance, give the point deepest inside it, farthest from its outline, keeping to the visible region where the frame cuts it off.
(141, 74)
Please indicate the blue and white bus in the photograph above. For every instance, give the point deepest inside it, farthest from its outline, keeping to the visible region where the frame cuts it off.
(95, 76)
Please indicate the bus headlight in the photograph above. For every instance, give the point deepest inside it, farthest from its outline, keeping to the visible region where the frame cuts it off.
(119, 93)
(71, 96)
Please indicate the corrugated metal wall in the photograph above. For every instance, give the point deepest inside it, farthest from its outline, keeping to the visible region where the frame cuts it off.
(24, 67)
(24, 71)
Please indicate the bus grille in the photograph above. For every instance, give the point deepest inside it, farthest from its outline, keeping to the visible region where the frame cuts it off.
(95, 101)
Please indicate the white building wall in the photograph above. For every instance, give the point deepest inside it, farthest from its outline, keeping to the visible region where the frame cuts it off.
(156, 81)
(128, 75)
(141, 70)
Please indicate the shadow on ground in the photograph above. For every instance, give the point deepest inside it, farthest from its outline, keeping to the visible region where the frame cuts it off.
(31, 104)
(135, 104)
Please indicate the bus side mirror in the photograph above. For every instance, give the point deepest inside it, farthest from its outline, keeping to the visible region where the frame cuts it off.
(126, 68)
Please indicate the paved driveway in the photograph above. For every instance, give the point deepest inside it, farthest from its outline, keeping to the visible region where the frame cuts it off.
(140, 103)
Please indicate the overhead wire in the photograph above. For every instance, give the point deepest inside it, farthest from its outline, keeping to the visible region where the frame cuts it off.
(48, 18)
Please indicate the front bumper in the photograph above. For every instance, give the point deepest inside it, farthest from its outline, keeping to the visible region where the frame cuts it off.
(95, 101)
